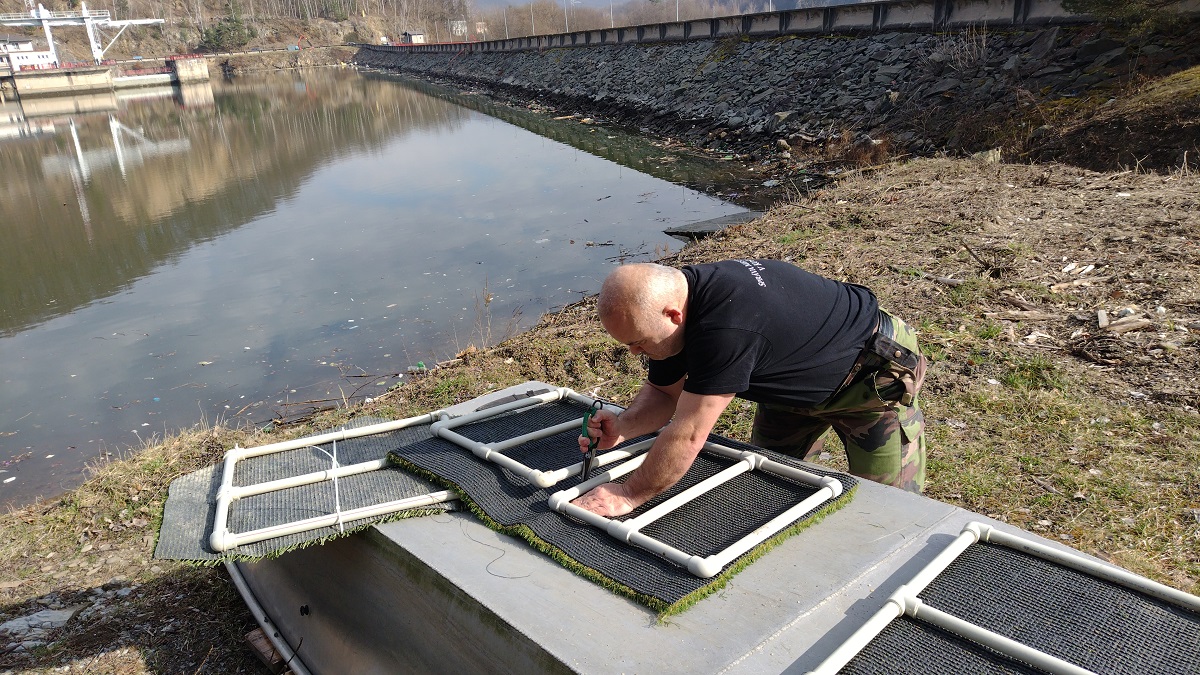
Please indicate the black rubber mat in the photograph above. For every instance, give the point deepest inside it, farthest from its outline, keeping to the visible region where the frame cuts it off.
(191, 499)
(910, 647)
(1095, 624)
(707, 526)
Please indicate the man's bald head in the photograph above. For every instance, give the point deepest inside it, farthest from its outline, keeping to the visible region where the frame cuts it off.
(641, 291)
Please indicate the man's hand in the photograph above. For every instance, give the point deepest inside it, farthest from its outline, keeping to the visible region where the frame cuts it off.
(609, 500)
(602, 425)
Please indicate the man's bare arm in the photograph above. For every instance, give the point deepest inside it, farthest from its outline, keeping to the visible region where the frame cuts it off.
(666, 462)
(677, 446)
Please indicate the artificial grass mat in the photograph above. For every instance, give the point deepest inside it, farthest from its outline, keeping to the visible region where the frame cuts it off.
(188, 514)
(510, 504)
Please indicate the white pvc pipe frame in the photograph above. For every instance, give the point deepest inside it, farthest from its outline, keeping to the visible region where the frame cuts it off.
(222, 539)
(905, 601)
(494, 451)
(629, 531)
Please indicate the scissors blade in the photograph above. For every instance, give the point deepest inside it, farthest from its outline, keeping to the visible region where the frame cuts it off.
(588, 459)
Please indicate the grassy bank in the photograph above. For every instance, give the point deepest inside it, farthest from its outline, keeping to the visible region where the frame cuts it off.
(1036, 415)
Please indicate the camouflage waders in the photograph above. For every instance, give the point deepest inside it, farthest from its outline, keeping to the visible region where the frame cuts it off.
(875, 413)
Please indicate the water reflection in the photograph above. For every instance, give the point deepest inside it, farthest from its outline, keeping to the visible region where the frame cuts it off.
(682, 168)
(241, 251)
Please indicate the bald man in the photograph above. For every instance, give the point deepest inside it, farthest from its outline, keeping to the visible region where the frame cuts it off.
(812, 352)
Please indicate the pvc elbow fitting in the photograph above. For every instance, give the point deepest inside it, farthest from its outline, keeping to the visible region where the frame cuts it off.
(557, 500)
(834, 485)
(217, 541)
(703, 567)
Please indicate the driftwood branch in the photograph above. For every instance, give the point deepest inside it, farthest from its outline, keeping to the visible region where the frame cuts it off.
(1129, 323)
(1019, 303)
(1045, 484)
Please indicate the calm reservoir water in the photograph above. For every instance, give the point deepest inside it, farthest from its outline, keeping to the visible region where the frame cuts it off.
(244, 250)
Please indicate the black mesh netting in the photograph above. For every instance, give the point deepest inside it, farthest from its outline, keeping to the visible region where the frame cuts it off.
(1090, 622)
(908, 646)
(191, 504)
(708, 525)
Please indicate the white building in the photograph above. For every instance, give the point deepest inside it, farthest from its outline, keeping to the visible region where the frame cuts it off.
(17, 53)
(15, 43)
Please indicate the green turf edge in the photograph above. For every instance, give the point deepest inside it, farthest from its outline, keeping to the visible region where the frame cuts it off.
(663, 609)
(275, 553)
(719, 581)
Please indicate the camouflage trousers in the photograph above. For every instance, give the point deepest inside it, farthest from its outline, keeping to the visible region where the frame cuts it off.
(876, 415)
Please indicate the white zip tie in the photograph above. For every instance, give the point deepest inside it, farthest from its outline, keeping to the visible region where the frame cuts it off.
(337, 501)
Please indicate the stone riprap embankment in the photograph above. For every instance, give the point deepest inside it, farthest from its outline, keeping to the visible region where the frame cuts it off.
(921, 91)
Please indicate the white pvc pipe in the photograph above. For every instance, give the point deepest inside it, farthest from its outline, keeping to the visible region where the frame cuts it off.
(227, 493)
(622, 529)
(488, 455)
(833, 664)
(761, 462)
(797, 474)
(443, 428)
(562, 499)
(905, 600)
(494, 451)
(969, 535)
(691, 562)
(603, 459)
(440, 424)
(290, 659)
(773, 526)
(238, 453)
(894, 606)
(1077, 562)
(536, 435)
(629, 531)
(995, 641)
(231, 540)
(240, 492)
(544, 397)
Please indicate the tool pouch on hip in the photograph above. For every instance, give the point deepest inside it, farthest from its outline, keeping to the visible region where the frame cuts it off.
(901, 360)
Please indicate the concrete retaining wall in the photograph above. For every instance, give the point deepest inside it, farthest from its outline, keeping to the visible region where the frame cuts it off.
(30, 83)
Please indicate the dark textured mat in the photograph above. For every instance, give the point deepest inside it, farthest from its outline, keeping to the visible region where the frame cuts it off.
(709, 525)
(191, 499)
(1095, 624)
(907, 646)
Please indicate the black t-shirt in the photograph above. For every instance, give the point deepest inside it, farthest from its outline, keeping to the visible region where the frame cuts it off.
(768, 331)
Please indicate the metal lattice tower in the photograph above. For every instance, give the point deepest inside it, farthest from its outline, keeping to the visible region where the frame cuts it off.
(90, 20)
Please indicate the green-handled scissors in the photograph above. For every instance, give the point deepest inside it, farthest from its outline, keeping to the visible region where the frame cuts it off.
(592, 442)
